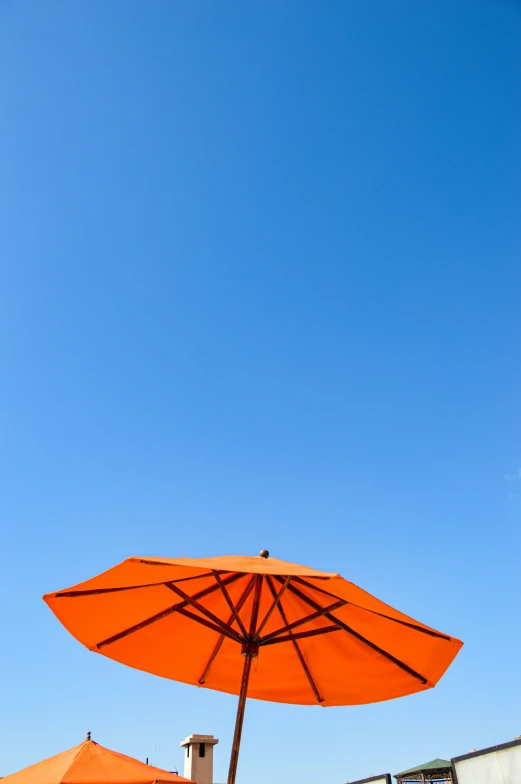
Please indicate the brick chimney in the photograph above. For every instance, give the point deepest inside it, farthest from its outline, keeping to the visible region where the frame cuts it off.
(199, 758)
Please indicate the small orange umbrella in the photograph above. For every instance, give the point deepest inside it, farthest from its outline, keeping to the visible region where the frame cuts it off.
(90, 763)
(319, 639)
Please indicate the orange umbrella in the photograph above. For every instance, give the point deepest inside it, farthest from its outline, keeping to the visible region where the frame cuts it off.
(90, 763)
(316, 638)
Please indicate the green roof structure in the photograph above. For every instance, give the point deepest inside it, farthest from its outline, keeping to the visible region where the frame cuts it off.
(435, 770)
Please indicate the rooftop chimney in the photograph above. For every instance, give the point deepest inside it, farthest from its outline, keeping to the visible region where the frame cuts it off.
(199, 758)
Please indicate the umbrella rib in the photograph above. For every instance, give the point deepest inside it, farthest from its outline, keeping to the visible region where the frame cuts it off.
(220, 641)
(352, 632)
(300, 635)
(415, 626)
(94, 591)
(296, 646)
(255, 606)
(302, 621)
(272, 608)
(230, 604)
(225, 629)
(213, 626)
(164, 613)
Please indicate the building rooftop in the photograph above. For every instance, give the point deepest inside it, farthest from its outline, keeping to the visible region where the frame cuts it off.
(435, 764)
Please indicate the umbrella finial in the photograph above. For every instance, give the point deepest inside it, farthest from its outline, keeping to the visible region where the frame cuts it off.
(88, 736)
(264, 554)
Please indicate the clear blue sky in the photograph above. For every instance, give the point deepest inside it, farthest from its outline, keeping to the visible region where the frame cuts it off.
(260, 287)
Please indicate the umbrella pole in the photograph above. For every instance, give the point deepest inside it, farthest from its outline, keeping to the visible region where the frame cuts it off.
(250, 650)
(240, 718)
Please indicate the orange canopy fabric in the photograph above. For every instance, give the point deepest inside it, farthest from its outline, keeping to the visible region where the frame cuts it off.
(90, 763)
(172, 617)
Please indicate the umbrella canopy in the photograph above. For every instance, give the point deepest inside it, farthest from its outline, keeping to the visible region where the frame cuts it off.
(168, 616)
(90, 763)
(315, 637)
